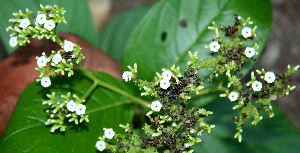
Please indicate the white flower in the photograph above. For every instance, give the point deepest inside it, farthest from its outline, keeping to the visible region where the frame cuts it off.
(100, 145)
(68, 46)
(246, 32)
(56, 58)
(109, 133)
(256, 85)
(164, 84)
(127, 75)
(156, 106)
(167, 75)
(13, 41)
(24, 23)
(71, 106)
(186, 145)
(154, 134)
(80, 109)
(49, 25)
(270, 77)
(249, 52)
(233, 96)
(174, 124)
(214, 46)
(41, 18)
(42, 61)
(45, 82)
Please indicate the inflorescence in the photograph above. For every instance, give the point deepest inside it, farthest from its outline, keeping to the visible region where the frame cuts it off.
(174, 127)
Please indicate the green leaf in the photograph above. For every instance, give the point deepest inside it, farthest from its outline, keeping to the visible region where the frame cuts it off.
(114, 37)
(79, 20)
(26, 131)
(272, 135)
(161, 40)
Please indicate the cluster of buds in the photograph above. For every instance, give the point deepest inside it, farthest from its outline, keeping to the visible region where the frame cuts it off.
(173, 127)
(58, 62)
(40, 26)
(231, 55)
(63, 109)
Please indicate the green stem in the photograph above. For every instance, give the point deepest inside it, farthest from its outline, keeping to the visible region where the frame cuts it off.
(110, 87)
(57, 38)
(109, 106)
(218, 87)
(90, 90)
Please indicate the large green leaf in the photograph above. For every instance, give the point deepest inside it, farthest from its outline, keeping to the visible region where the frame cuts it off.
(271, 135)
(114, 37)
(79, 20)
(26, 131)
(162, 38)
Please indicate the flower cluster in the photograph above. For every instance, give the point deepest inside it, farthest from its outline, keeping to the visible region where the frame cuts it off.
(40, 26)
(231, 55)
(44, 25)
(109, 134)
(63, 109)
(58, 62)
(172, 124)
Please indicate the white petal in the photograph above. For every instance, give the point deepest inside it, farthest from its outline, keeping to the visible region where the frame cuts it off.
(49, 25)
(156, 106)
(164, 84)
(80, 109)
(167, 75)
(127, 75)
(41, 18)
(109, 133)
(45, 82)
(246, 32)
(13, 41)
(214, 46)
(100, 145)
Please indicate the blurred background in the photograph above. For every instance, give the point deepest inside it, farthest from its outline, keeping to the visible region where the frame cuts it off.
(282, 48)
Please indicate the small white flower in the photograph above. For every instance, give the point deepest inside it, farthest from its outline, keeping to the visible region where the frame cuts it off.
(24, 23)
(186, 145)
(41, 18)
(164, 84)
(214, 46)
(127, 75)
(154, 134)
(174, 124)
(167, 75)
(45, 82)
(233, 96)
(56, 58)
(156, 106)
(256, 85)
(71, 106)
(249, 52)
(100, 145)
(246, 32)
(49, 25)
(68, 46)
(13, 41)
(270, 77)
(42, 61)
(109, 133)
(80, 109)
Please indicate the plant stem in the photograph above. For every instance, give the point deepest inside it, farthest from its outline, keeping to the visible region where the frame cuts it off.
(90, 90)
(109, 106)
(57, 38)
(110, 87)
(218, 87)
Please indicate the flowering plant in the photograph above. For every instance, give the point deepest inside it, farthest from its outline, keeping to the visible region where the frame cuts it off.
(167, 120)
